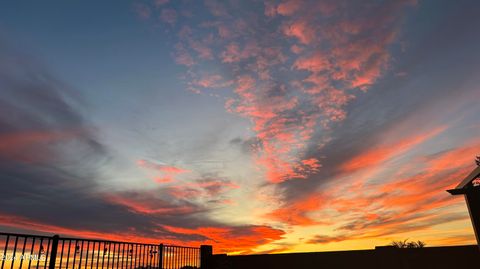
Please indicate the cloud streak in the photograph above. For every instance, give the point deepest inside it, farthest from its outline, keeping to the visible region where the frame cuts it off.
(51, 161)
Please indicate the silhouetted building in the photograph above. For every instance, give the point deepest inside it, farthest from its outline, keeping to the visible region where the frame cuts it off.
(470, 188)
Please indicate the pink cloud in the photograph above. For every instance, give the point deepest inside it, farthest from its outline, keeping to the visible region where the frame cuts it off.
(295, 66)
(314, 63)
(148, 204)
(296, 49)
(233, 53)
(300, 29)
(167, 173)
(214, 81)
(183, 57)
(289, 7)
(203, 51)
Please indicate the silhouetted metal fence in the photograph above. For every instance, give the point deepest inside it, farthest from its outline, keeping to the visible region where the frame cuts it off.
(52, 252)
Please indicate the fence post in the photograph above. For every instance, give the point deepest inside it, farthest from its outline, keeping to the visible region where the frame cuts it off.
(206, 257)
(160, 256)
(53, 252)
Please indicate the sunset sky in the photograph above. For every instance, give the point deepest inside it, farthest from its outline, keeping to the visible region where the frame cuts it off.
(254, 126)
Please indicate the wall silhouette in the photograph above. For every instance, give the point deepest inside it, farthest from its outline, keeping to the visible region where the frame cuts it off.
(385, 257)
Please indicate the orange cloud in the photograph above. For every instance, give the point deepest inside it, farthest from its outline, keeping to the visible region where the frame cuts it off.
(381, 153)
(297, 212)
(233, 239)
(412, 200)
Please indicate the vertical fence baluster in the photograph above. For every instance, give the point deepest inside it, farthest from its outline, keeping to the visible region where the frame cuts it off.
(131, 255)
(177, 260)
(166, 257)
(154, 256)
(185, 261)
(47, 254)
(61, 254)
(144, 256)
(98, 254)
(141, 259)
(53, 252)
(147, 255)
(5, 251)
(75, 254)
(135, 256)
(86, 256)
(23, 251)
(160, 256)
(170, 260)
(150, 256)
(123, 254)
(81, 256)
(108, 254)
(114, 252)
(172, 255)
(14, 251)
(68, 253)
(39, 258)
(93, 256)
(31, 252)
(104, 249)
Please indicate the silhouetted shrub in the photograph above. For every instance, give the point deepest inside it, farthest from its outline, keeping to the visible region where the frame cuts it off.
(408, 244)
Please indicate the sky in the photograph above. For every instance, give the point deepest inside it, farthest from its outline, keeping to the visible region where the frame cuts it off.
(253, 126)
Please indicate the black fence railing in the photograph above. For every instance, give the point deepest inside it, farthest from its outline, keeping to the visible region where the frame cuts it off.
(54, 252)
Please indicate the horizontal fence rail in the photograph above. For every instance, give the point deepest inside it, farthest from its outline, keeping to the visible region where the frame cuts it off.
(19, 251)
